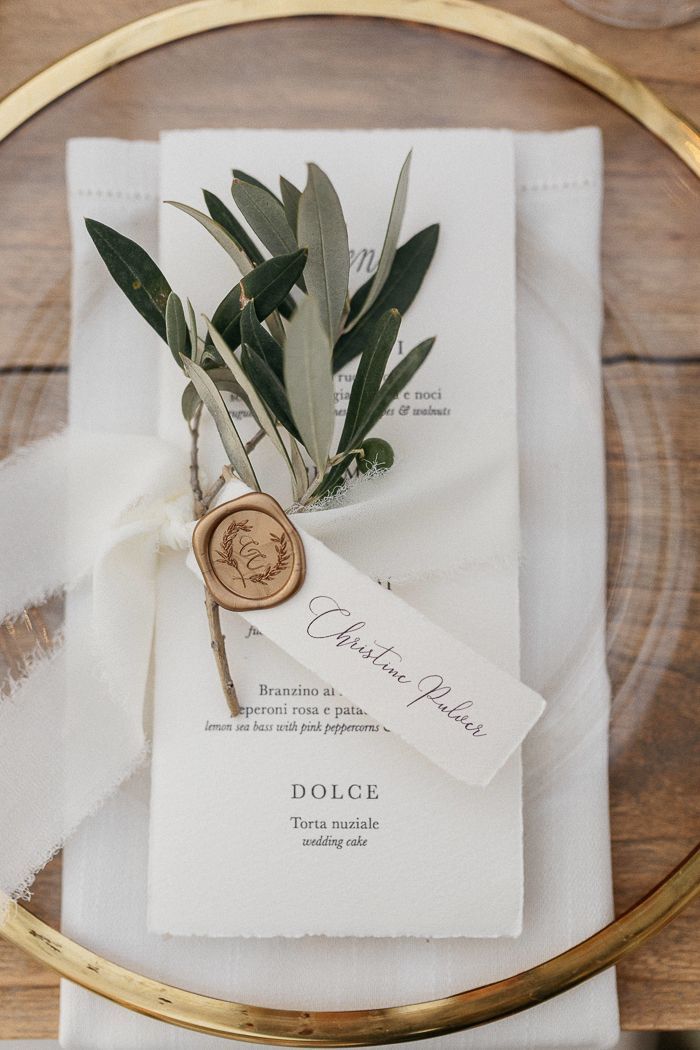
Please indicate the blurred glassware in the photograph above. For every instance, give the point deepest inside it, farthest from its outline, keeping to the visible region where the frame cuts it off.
(639, 14)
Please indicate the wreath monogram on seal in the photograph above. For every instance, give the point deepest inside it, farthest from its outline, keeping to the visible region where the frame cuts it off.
(242, 553)
(249, 553)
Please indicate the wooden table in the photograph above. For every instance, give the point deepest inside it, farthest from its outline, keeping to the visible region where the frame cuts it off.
(650, 351)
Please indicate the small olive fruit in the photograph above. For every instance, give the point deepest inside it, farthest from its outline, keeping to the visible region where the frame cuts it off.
(375, 453)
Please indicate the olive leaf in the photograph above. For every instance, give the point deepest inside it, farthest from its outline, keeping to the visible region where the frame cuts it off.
(220, 235)
(190, 401)
(176, 328)
(300, 477)
(277, 329)
(257, 405)
(391, 240)
(308, 380)
(195, 342)
(290, 201)
(230, 439)
(322, 229)
(399, 290)
(243, 176)
(299, 468)
(268, 284)
(270, 388)
(221, 214)
(223, 380)
(391, 388)
(265, 216)
(135, 272)
(369, 375)
(259, 339)
(225, 217)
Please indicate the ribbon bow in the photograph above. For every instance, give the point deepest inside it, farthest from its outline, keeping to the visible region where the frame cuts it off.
(88, 514)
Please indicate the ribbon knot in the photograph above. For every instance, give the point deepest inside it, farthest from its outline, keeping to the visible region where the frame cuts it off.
(175, 531)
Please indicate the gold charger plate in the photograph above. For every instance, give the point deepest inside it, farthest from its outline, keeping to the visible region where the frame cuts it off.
(554, 976)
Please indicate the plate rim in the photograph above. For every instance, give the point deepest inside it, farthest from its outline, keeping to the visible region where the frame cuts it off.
(582, 961)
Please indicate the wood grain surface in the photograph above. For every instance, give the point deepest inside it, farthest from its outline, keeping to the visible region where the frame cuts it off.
(381, 74)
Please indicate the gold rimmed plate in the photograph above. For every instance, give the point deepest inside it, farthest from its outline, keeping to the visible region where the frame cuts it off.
(393, 64)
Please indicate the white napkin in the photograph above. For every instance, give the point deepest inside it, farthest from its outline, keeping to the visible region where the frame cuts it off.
(562, 586)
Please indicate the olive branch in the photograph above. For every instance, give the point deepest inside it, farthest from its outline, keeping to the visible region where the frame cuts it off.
(280, 335)
(283, 559)
(225, 552)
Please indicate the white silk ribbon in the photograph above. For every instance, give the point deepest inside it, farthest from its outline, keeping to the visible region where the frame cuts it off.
(86, 513)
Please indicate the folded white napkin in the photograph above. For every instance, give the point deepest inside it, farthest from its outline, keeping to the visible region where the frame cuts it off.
(567, 876)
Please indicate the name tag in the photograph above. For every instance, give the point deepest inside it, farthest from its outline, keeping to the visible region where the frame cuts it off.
(447, 701)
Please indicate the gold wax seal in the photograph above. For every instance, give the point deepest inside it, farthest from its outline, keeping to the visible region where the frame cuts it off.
(250, 554)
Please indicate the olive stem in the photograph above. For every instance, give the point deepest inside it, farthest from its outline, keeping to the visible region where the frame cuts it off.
(201, 504)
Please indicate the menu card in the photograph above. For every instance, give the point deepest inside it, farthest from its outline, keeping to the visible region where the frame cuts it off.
(303, 816)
